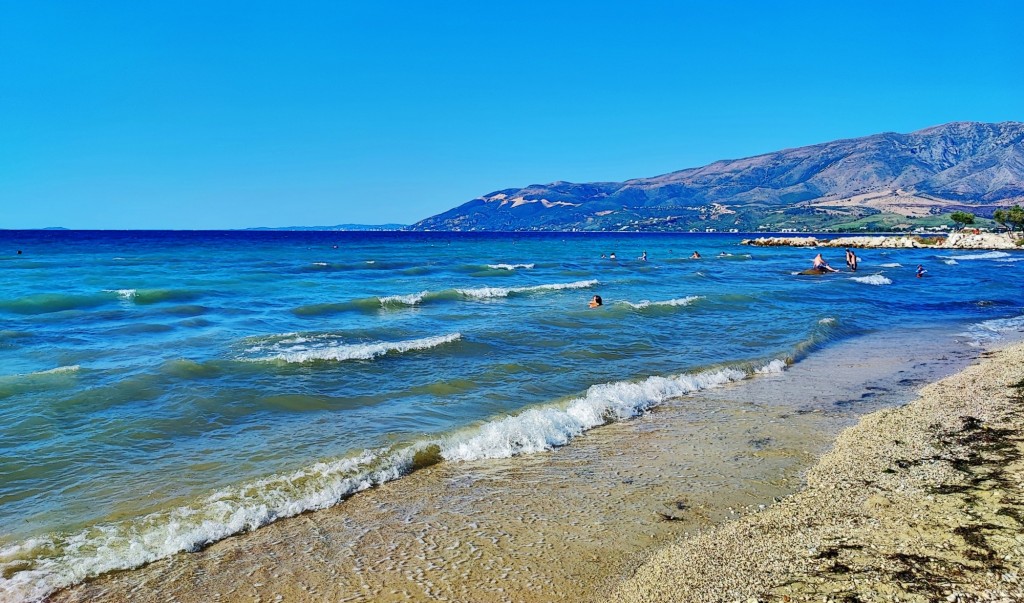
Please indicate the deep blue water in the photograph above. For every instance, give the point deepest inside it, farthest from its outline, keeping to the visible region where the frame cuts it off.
(161, 390)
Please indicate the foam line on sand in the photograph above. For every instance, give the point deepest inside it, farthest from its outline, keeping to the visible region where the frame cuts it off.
(919, 503)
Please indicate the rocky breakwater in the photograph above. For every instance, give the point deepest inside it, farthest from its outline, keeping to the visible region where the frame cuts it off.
(957, 240)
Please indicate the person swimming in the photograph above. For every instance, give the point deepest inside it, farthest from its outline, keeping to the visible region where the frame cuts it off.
(822, 265)
(695, 255)
(643, 257)
(596, 301)
(920, 271)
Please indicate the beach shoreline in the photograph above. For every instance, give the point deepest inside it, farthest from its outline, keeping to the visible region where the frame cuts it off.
(917, 503)
(565, 525)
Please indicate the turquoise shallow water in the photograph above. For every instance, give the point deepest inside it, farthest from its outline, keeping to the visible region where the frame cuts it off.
(159, 391)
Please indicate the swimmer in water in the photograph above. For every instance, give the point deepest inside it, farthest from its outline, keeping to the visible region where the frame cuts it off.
(596, 302)
(695, 256)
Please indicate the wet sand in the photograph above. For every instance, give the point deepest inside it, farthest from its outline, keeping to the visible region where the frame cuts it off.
(568, 525)
(919, 503)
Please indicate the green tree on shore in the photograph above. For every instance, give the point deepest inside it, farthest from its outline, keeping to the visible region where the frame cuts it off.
(961, 219)
(1012, 218)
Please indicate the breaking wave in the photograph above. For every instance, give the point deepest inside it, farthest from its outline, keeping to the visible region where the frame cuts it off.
(874, 279)
(495, 292)
(510, 266)
(37, 567)
(375, 304)
(681, 301)
(153, 296)
(990, 255)
(60, 370)
(402, 300)
(298, 349)
(994, 329)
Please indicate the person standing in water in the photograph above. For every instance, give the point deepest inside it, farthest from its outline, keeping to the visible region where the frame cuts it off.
(920, 271)
(851, 260)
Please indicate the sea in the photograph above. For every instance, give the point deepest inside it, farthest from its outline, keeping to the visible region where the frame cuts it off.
(162, 391)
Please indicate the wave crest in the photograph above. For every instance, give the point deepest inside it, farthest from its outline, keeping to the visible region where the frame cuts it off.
(495, 292)
(990, 255)
(874, 279)
(681, 301)
(541, 429)
(510, 266)
(46, 564)
(402, 300)
(299, 350)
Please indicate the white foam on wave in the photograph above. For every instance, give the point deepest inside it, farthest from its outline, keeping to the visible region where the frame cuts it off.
(1017, 259)
(510, 266)
(991, 255)
(326, 349)
(891, 265)
(775, 367)
(539, 429)
(681, 301)
(59, 560)
(60, 370)
(46, 564)
(321, 264)
(994, 329)
(874, 279)
(828, 321)
(275, 342)
(493, 292)
(125, 294)
(950, 262)
(402, 300)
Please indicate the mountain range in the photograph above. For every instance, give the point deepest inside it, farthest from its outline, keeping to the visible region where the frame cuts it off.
(886, 181)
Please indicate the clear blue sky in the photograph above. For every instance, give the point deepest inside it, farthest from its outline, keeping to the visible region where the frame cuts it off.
(205, 114)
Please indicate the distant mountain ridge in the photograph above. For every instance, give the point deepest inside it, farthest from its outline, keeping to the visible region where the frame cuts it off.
(884, 181)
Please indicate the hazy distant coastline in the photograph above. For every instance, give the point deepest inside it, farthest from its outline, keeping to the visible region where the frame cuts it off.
(339, 227)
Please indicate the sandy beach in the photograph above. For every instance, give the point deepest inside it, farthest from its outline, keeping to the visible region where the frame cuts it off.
(918, 503)
(569, 525)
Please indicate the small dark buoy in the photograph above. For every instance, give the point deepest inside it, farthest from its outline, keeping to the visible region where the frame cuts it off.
(19, 252)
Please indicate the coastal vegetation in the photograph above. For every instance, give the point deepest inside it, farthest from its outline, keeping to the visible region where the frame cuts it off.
(1012, 218)
(961, 218)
